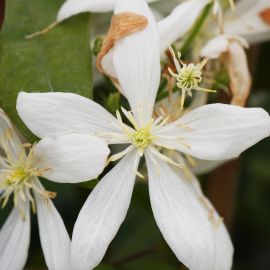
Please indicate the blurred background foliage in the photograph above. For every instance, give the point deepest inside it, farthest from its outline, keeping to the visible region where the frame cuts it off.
(61, 61)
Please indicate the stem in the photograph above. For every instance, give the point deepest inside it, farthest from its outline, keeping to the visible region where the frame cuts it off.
(196, 29)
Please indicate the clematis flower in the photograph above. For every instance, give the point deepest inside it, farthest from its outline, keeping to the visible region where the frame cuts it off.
(19, 172)
(211, 132)
(251, 19)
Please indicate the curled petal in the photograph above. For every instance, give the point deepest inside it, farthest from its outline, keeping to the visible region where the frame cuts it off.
(240, 78)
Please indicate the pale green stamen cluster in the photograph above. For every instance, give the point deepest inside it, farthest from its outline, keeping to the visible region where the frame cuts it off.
(188, 76)
(141, 138)
(17, 176)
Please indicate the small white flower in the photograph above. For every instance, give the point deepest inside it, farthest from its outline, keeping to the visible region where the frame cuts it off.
(248, 21)
(19, 172)
(211, 132)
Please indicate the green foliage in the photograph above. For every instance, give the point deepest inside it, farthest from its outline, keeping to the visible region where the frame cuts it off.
(57, 61)
(112, 103)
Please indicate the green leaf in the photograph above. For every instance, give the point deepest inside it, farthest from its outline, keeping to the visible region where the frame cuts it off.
(57, 61)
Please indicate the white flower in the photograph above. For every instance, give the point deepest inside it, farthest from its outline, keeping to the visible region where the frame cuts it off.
(248, 20)
(19, 172)
(212, 132)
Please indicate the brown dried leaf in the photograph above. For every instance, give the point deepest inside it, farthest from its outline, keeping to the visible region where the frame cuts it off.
(239, 74)
(122, 25)
(265, 15)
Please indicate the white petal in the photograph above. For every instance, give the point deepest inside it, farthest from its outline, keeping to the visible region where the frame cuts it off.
(206, 166)
(107, 64)
(71, 158)
(14, 240)
(10, 136)
(50, 114)
(73, 7)
(103, 213)
(218, 131)
(247, 22)
(224, 247)
(137, 62)
(180, 218)
(54, 238)
(179, 21)
(221, 44)
(215, 47)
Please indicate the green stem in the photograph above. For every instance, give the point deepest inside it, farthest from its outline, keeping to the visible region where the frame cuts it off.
(196, 29)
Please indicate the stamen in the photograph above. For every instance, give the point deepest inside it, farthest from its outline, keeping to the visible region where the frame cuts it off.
(119, 155)
(165, 158)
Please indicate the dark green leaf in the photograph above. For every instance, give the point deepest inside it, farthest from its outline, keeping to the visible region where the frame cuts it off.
(57, 61)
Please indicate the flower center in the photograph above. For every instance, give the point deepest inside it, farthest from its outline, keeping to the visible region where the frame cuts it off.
(141, 138)
(18, 176)
(189, 77)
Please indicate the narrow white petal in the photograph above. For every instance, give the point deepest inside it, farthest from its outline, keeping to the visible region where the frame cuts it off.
(50, 114)
(54, 238)
(137, 62)
(224, 247)
(215, 47)
(180, 217)
(217, 131)
(9, 135)
(14, 240)
(73, 7)
(206, 166)
(71, 158)
(103, 213)
(246, 21)
(179, 21)
(221, 44)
